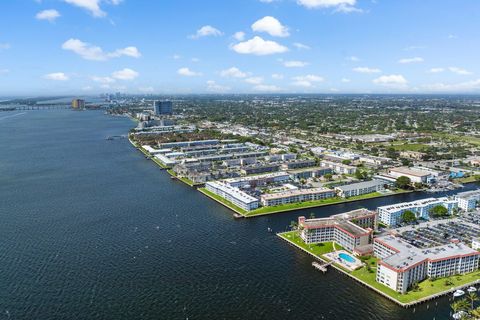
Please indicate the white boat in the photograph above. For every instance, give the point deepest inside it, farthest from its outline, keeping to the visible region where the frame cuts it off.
(459, 315)
(458, 293)
(472, 289)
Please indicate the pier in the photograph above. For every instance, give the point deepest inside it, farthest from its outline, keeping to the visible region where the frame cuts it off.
(321, 267)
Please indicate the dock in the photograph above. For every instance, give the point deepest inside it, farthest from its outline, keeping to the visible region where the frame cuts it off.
(321, 267)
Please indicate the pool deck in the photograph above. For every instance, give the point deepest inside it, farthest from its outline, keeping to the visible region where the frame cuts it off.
(402, 304)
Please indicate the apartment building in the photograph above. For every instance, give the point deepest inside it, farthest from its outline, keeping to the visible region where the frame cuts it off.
(298, 195)
(356, 189)
(233, 195)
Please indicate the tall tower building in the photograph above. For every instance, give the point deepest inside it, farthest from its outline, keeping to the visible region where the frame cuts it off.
(162, 107)
(78, 104)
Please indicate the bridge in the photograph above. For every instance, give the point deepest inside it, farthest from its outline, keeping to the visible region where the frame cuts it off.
(39, 107)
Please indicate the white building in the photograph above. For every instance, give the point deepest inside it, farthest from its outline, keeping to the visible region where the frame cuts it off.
(468, 200)
(233, 195)
(391, 214)
(415, 175)
(338, 168)
(339, 228)
(357, 189)
(476, 244)
(402, 264)
(298, 195)
(256, 180)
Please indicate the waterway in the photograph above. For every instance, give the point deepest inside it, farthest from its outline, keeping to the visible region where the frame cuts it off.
(90, 229)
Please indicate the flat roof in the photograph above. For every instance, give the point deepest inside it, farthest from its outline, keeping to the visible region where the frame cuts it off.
(468, 194)
(415, 204)
(411, 172)
(234, 192)
(360, 185)
(341, 221)
(408, 255)
(297, 192)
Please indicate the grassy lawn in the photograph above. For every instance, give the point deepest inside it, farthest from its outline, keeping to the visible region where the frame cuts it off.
(317, 249)
(313, 204)
(222, 201)
(426, 287)
(466, 180)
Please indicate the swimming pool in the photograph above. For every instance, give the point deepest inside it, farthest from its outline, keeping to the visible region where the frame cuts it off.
(346, 257)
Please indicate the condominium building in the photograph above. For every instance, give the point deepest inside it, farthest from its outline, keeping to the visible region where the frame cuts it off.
(78, 104)
(258, 180)
(468, 200)
(391, 214)
(402, 264)
(338, 228)
(298, 195)
(162, 107)
(306, 173)
(356, 189)
(338, 168)
(233, 195)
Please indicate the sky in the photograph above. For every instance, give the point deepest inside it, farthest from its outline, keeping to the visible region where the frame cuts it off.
(239, 46)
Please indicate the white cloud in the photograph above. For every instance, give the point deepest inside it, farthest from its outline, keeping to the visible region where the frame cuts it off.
(5, 46)
(215, 87)
(87, 88)
(125, 74)
(186, 72)
(277, 76)
(4, 71)
(345, 6)
(49, 15)
(239, 36)
(473, 85)
(103, 79)
(436, 70)
(233, 72)
(366, 70)
(352, 58)
(271, 26)
(254, 80)
(393, 80)
(307, 81)
(295, 64)
(176, 57)
(91, 52)
(268, 1)
(146, 89)
(346, 80)
(56, 76)
(301, 46)
(259, 47)
(459, 71)
(206, 31)
(195, 60)
(411, 60)
(92, 6)
(266, 88)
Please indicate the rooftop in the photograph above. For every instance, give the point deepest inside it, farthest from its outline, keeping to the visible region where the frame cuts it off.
(361, 185)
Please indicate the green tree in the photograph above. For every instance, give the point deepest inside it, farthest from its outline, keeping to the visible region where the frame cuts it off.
(347, 162)
(438, 211)
(472, 297)
(408, 216)
(403, 182)
(460, 305)
(293, 225)
(312, 215)
(328, 176)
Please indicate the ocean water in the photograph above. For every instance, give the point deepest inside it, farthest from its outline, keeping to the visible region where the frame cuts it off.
(90, 229)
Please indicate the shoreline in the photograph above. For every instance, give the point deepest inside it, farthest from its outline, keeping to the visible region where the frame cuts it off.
(282, 235)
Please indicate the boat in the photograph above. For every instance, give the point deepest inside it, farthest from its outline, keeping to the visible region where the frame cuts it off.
(472, 289)
(458, 293)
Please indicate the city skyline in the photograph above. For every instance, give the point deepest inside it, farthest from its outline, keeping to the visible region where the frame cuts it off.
(250, 46)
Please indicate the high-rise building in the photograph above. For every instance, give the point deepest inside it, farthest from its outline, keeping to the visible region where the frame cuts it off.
(78, 104)
(162, 107)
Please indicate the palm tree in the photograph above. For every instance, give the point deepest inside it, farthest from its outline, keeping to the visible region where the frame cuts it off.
(472, 296)
(475, 313)
(460, 305)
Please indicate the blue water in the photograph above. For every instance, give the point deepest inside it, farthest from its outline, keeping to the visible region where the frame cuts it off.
(90, 229)
(346, 257)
